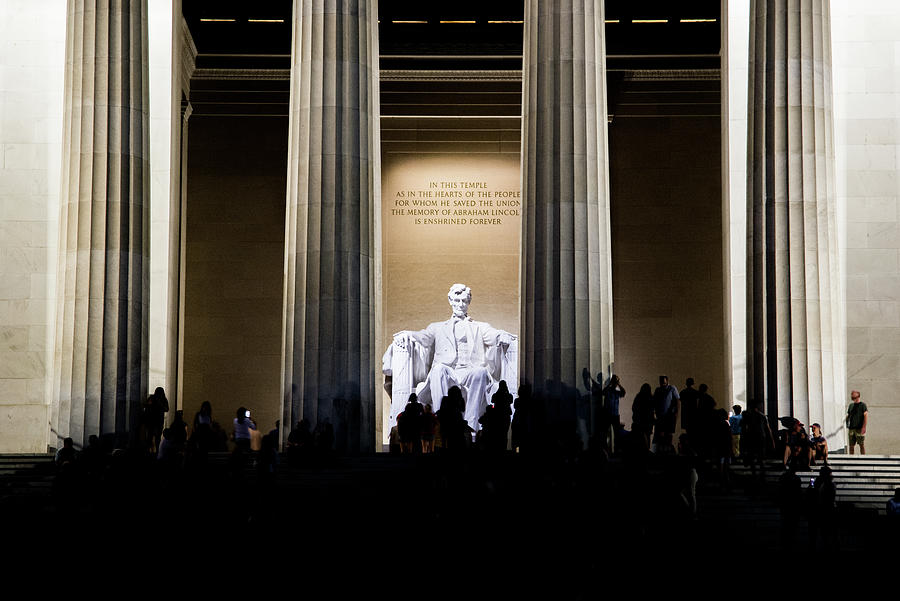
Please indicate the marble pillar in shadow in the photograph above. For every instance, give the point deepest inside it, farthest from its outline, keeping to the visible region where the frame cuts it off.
(333, 186)
(566, 274)
(795, 321)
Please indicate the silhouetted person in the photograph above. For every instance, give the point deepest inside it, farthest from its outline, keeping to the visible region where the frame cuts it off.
(593, 386)
(499, 421)
(201, 436)
(612, 394)
(790, 501)
(93, 457)
(599, 419)
(172, 446)
(178, 428)
(67, 480)
(703, 427)
(495, 421)
(67, 454)
(665, 399)
(409, 424)
(153, 415)
(892, 507)
(689, 397)
(756, 438)
(454, 428)
(267, 459)
(429, 428)
(704, 399)
(892, 514)
(218, 438)
(822, 510)
(643, 414)
(300, 443)
(721, 446)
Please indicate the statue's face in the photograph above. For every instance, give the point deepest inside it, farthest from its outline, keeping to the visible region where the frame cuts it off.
(460, 304)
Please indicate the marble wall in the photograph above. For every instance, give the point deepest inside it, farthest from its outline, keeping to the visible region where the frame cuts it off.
(666, 209)
(866, 76)
(32, 57)
(237, 169)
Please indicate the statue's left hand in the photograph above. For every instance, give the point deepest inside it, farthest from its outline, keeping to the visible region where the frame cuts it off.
(505, 339)
(404, 337)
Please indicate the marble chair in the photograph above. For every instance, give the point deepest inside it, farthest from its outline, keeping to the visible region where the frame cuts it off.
(406, 367)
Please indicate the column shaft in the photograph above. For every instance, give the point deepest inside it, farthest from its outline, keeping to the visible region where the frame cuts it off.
(101, 348)
(794, 325)
(566, 274)
(333, 191)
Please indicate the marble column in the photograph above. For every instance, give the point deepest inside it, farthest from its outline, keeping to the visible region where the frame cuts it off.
(332, 200)
(101, 339)
(566, 273)
(794, 319)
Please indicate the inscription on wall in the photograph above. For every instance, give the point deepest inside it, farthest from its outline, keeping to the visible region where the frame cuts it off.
(456, 203)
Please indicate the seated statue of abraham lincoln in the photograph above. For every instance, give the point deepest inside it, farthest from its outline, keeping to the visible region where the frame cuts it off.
(457, 352)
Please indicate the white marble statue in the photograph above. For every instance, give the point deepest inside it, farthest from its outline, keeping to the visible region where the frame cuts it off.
(457, 352)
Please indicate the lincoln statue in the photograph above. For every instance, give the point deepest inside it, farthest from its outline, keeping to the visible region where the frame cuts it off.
(457, 352)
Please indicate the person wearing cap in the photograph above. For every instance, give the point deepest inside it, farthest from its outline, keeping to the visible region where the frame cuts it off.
(818, 446)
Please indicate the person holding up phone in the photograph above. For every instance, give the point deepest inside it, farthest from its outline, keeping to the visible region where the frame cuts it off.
(242, 426)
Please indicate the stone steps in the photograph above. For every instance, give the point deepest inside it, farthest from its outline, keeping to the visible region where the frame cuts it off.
(863, 482)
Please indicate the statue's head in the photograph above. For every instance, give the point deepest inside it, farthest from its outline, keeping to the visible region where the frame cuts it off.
(459, 297)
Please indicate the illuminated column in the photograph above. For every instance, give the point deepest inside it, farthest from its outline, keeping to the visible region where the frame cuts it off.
(795, 327)
(101, 339)
(566, 274)
(332, 199)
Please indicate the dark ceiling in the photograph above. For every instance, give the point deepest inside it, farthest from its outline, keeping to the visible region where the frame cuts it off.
(459, 35)
(641, 35)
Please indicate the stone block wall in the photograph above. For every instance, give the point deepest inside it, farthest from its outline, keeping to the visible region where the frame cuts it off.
(32, 56)
(866, 67)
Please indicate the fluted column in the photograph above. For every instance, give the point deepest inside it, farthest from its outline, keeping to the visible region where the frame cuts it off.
(795, 323)
(333, 187)
(566, 274)
(101, 340)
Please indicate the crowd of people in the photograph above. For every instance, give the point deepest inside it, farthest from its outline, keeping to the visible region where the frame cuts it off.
(712, 432)
(420, 430)
(660, 469)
